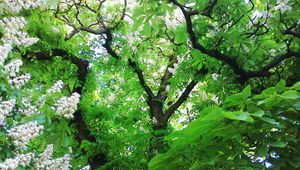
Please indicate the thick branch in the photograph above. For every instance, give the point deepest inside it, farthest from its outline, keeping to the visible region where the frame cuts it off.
(185, 94)
(180, 100)
(290, 32)
(139, 72)
(162, 93)
(208, 10)
(244, 74)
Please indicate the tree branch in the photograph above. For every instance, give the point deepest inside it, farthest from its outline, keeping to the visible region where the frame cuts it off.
(180, 100)
(184, 95)
(162, 93)
(131, 63)
(243, 74)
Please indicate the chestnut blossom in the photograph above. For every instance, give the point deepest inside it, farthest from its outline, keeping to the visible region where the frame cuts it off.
(5, 49)
(28, 108)
(112, 97)
(174, 20)
(88, 167)
(56, 87)
(171, 70)
(13, 34)
(13, 163)
(66, 106)
(5, 108)
(15, 6)
(20, 81)
(45, 160)
(41, 101)
(258, 16)
(167, 88)
(213, 31)
(22, 134)
(214, 76)
(282, 5)
(13, 67)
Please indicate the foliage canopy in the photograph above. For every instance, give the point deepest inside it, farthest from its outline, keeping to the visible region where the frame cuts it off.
(169, 84)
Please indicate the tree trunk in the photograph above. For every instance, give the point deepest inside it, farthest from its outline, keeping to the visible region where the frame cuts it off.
(159, 127)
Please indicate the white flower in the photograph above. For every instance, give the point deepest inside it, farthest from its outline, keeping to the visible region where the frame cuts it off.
(171, 70)
(46, 155)
(66, 106)
(112, 97)
(88, 167)
(46, 162)
(5, 108)
(56, 87)
(20, 81)
(55, 30)
(272, 52)
(121, 80)
(13, 163)
(41, 101)
(215, 76)
(216, 100)
(13, 34)
(22, 134)
(154, 120)
(5, 49)
(283, 6)
(174, 20)
(13, 67)
(15, 6)
(167, 88)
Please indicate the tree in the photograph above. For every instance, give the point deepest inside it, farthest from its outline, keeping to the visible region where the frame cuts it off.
(166, 77)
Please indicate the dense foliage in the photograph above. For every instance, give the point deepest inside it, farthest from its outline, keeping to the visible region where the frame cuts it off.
(144, 84)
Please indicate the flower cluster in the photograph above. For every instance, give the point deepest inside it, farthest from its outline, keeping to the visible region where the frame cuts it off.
(15, 6)
(66, 106)
(41, 101)
(172, 70)
(29, 109)
(175, 20)
(88, 167)
(22, 134)
(46, 162)
(213, 31)
(5, 108)
(13, 67)
(282, 5)
(258, 17)
(13, 163)
(13, 34)
(5, 49)
(56, 87)
(20, 81)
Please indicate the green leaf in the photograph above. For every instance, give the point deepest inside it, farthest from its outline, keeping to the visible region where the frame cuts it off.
(238, 99)
(280, 86)
(290, 94)
(262, 151)
(258, 113)
(147, 28)
(239, 115)
(278, 144)
(180, 34)
(296, 86)
(269, 120)
(72, 84)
